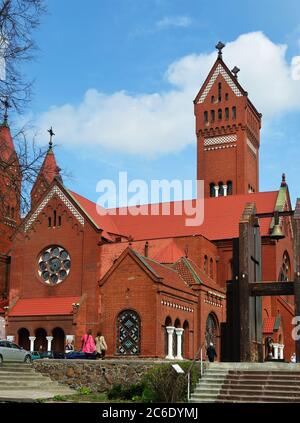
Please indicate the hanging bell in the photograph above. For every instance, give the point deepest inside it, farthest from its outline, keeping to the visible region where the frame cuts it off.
(277, 233)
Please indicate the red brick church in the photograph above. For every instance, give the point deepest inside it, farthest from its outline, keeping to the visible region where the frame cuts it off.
(152, 285)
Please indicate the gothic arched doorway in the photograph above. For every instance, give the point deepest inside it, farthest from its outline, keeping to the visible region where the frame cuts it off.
(40, 341)
(211, 330)
(128, 333)
(58, 342)
(23, 338)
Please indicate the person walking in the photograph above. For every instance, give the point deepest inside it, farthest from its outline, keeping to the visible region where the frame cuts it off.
(211, 352)
(88, 344)
(101, 345)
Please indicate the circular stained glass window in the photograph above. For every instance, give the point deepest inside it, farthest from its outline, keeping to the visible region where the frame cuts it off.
(54, 265)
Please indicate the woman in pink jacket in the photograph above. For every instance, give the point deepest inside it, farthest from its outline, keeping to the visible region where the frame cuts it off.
(88, 344)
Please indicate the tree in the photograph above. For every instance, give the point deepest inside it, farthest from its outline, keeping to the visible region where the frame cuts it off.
(19, 166)
(18, 20)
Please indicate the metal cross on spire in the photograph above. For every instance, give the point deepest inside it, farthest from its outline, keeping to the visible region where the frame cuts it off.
(51, 135)
(6, 106)
(220, 47)
(235, 71)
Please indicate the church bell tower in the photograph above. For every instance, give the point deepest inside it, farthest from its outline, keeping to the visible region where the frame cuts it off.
(228, 133)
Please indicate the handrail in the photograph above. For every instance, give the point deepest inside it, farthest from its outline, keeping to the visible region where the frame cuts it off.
(188, 374)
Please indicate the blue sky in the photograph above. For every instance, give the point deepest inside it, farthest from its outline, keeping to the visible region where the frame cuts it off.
(116, 79)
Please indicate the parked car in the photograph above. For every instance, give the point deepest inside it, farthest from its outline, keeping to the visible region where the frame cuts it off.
(80, 355)
(12, 352)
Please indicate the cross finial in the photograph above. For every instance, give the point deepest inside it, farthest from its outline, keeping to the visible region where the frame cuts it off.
(220, 47)
(51, 135)
(235, 71)
(6, 106)
(283, 181)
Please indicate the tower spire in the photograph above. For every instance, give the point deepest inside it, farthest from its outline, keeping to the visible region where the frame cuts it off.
(51, 136)
(220, 47)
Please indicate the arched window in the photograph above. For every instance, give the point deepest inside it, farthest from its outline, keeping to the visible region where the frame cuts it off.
(205, 117)
(219, 91)
(211, 268)
(234, 112)
(212, 191)
(212, 99)
(211, 330)
(212, 115)
(220, 114)
(128, 333)
(229, 187)
(285, 271)
(226, 113)
(205, 264)
(226, 96)
(221, 189)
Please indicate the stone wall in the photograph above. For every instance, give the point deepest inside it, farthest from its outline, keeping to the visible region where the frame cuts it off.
(97, 375)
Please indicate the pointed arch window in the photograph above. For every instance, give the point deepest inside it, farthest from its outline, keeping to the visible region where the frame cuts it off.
(226, 113)
(205, 117)
(128, 333)
(229, 187)
(212, 115)
(220, 114)
(212, 191)
(234, 112)
(221, 189)
(205, 264)
(219, 91)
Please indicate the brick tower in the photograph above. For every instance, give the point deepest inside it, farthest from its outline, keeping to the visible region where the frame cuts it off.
(10, 187)
(48, 172)
(228, 133)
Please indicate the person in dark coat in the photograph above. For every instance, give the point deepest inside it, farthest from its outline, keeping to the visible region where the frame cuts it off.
(211, 352)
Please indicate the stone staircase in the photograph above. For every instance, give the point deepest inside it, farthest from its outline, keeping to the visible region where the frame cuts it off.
(20, 382)
(249, 382)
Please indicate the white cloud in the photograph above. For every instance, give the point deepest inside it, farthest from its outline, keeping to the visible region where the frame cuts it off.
(163, 122)
(174, 21)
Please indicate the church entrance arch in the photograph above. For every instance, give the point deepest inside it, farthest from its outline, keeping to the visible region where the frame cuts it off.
(40, 341)
(58, 342)
(23, 338)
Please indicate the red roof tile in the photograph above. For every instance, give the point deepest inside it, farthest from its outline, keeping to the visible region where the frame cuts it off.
(268, 325)
(104, 221)
(221, 217)
(43, 306)
(169, 254)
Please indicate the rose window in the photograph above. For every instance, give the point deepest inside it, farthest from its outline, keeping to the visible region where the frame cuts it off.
(54, 265)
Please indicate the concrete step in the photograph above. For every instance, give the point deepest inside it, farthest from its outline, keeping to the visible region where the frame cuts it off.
(11, 375)
(258, 388)
(248, 392)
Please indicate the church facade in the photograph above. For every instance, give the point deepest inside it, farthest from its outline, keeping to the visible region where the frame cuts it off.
(153, 286)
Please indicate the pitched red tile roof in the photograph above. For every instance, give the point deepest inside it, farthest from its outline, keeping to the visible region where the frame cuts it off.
(221, 217)
(102, 221)
(43, 306)
(169, 254)
(268, 325)
(170, 276)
